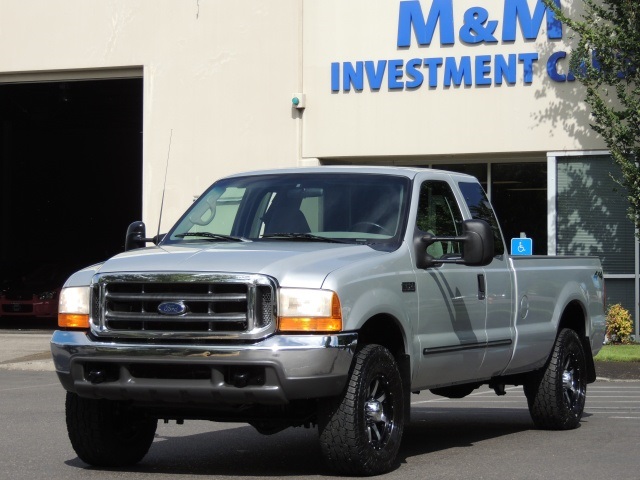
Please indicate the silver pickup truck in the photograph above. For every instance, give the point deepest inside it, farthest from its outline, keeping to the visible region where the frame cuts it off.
(322, 297)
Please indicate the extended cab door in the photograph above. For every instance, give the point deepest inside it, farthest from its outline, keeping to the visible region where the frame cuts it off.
(499, 281)
(452, 306)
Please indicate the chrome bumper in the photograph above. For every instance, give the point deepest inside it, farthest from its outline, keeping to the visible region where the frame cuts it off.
(274, 371)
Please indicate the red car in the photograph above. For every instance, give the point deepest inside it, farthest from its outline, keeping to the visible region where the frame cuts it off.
(34, 294)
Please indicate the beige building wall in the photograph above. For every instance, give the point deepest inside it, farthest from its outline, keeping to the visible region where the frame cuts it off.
(219, 77)
(535, 116)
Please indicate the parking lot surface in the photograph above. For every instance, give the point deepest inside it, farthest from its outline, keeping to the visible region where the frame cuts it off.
(481, 436)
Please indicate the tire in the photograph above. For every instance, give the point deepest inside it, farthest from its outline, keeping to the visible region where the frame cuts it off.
(557, 394)
(106, 433)
(360, 431)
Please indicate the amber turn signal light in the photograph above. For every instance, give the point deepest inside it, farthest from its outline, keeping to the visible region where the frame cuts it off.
(293, 324)
(73, 320)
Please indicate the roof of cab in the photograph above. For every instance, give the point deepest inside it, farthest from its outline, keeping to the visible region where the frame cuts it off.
(409, 172)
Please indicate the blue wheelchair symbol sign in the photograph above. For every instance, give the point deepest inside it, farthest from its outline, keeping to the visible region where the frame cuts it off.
(521, 246)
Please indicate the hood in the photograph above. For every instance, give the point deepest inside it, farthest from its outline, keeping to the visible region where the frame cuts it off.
(300, 264)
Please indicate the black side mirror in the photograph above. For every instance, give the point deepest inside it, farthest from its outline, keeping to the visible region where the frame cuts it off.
(477, 245)
(136, 233)
(135, 238)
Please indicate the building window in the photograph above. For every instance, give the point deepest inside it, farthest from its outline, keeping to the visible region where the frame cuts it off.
(519, 197)
(592, 220)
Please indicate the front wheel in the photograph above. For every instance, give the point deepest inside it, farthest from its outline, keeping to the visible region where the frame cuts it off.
(360, 431)
(106, 433)
(556, 396)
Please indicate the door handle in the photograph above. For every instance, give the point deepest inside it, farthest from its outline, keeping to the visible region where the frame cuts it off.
(482, 291)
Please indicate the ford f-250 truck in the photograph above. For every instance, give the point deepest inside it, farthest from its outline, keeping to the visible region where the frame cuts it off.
(322, 297)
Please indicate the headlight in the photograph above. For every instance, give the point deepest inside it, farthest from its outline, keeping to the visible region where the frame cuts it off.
(307, 310)
(74, 307)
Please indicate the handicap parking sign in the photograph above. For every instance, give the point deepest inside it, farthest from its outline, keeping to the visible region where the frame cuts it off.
(521, 246)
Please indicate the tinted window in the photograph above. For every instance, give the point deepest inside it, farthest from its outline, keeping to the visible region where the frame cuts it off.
(480, 209)
(439, 214)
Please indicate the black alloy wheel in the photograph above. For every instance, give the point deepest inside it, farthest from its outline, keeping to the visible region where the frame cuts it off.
(360, 431)
(557, 394)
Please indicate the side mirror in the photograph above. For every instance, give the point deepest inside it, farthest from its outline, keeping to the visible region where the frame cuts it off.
(477, 246)
(135, 238)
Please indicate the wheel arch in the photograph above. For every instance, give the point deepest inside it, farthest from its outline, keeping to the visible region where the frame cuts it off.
(385, 330)
(574, 317)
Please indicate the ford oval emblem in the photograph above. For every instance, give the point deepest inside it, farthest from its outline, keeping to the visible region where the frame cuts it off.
(172, 308)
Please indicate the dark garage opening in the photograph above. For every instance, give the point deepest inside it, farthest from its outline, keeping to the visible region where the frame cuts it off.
(70, 173)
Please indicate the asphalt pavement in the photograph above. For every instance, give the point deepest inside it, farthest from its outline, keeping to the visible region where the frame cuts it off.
(481, 436)
(25, 350)
(618, 371)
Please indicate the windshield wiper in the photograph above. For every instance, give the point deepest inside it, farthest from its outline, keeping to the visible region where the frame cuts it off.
(212, 236)
(302, 236)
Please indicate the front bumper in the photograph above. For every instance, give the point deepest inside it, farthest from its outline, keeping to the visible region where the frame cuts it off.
(274, 371)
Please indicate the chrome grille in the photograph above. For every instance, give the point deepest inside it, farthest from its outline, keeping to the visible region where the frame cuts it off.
(210, 306)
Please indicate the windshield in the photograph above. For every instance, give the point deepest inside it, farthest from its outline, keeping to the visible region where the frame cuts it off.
(344, 207)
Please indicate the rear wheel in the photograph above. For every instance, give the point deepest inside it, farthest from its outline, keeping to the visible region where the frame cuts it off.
(360, 432)
(556, 396)
(106, 433)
